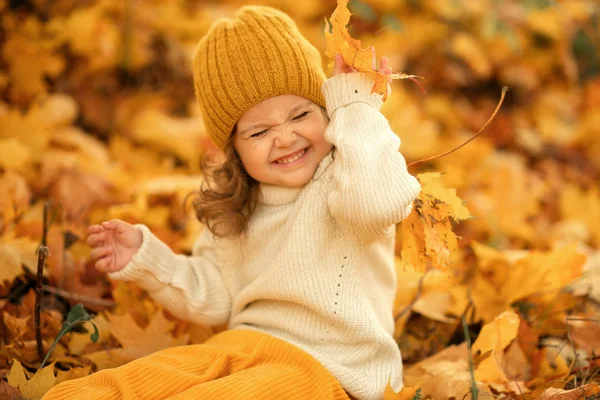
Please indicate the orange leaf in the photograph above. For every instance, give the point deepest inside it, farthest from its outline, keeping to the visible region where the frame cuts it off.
(406, 393)
(339, 41)
(427, 237)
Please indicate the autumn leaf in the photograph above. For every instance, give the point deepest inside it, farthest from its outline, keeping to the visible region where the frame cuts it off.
(136, 341)
(582, 392)
(10, 259)
(31, 57)
(582, 205)
(444, 376)
(504, 277)
(17, 327)
(427, 238)
(406, 393)
(490, 345)
(339, 41)
(102, 121)
(15, 194)
(35, 387)
(498, 334)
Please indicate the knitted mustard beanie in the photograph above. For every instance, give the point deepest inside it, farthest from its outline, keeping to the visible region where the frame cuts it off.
(241, 61)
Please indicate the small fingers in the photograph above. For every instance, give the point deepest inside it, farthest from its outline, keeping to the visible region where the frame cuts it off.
(96, 239)
(100, 252)
(103, 264)
(95, 228)
(337, 66)
(373, 58)
(109, 224)
(383, 64)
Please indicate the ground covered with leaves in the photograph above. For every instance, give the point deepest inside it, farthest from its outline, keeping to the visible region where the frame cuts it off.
(498, 265)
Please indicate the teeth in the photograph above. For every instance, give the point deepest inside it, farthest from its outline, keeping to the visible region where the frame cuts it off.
(291, 158)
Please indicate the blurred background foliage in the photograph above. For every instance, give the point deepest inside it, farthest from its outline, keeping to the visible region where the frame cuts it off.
(98, 116)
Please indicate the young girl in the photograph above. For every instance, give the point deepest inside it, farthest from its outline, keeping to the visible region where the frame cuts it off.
(298, 254)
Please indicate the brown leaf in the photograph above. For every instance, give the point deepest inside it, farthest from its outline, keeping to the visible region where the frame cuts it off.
(581, 392)
(8, 392)
(16, 326)
(586, 334)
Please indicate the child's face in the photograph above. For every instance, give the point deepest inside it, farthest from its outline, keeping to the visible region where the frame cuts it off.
(276, 128)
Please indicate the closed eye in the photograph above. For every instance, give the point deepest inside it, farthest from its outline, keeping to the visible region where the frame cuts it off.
(304, 114)
(257, 134)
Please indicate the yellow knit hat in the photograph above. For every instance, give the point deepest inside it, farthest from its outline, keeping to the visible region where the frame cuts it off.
(241, 61)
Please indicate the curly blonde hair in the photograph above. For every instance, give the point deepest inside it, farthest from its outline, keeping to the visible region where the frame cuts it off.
(228, 195)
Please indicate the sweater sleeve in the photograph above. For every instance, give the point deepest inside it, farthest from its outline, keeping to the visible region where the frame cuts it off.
(191, 287)
(371, 189)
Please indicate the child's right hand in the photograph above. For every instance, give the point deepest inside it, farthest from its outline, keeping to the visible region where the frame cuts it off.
(113, 244)
(340, 66)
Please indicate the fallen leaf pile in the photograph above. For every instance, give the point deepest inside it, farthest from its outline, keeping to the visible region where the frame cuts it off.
(98, 120)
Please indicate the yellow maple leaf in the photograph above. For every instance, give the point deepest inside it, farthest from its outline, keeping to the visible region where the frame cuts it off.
(339, 41)
(31, 58)
(427, 237)
(15, 155)
(504, 277)
(406, 393)
(10, 259)
(582, 205)
(37, 386)
(497, 335)
(136, 341)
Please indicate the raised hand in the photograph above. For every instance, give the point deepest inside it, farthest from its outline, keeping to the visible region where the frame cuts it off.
(340, 67)
(113, 244)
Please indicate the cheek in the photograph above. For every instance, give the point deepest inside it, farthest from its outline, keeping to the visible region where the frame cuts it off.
(315, 132)
(255, 155)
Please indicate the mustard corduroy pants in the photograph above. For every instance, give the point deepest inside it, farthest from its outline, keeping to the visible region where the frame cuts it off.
(234, 364)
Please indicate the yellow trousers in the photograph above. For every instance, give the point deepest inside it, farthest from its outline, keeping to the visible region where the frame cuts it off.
(234, 364)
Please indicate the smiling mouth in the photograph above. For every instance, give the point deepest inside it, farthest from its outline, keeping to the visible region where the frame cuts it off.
(290, 159)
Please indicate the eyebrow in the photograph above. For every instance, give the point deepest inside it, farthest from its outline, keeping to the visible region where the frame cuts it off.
(262, 124)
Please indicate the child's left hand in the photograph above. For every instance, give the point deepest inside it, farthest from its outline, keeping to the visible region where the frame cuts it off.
(340, 67)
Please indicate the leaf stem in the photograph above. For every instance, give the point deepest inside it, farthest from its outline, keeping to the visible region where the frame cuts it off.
(474, 390)
(43, 252)
(504, 90)
(76, 315)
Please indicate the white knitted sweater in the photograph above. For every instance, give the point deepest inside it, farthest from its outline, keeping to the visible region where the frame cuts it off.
(317, 267)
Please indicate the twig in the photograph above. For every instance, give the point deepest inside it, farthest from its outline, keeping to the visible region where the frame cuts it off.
(43, 252)
(504, 90)
(78, 297)
(474, 390)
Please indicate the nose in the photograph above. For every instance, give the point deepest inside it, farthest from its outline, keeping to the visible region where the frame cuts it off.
(285, 137)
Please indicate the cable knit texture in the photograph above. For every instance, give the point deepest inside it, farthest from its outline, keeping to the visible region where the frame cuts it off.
(317, 268)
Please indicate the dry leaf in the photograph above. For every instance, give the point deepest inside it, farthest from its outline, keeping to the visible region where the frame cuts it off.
(136, 341)
(339, 41)
(581, 392)
(17, 327)
(406, 393)
(35, 387)
(427, 237)
(497, 335)
(8, 392)
(10, 259)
